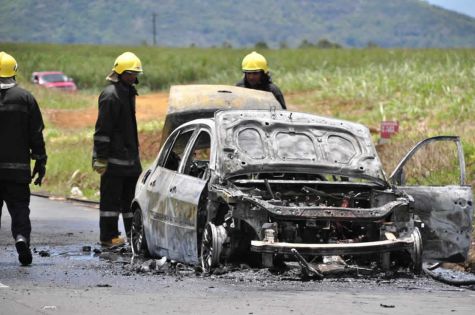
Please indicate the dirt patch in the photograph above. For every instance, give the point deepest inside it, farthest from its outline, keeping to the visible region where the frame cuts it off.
(149, 144)
(152, 106)
(71, 118)
(149, 107)
(330, 106)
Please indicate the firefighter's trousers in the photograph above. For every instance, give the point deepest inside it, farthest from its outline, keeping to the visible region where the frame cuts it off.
(17, 198)
(117, 193)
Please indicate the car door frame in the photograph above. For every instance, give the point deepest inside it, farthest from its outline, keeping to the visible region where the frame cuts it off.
(445, 211)
(157, 190)
(183, 199)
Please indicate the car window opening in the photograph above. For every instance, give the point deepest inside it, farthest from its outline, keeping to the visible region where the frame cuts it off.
(177, 151)
(198, 160)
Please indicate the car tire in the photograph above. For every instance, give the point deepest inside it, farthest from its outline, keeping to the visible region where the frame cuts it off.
(417, 252)
(209, 248)
(212, 242)
(137, 235)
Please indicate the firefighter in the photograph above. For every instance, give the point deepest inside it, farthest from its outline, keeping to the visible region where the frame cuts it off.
(21, 139)
(116, 148)
(256, 76)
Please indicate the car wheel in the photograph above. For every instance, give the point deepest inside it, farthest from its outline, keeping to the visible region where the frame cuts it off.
(211, 246)
(417, 252)
(137, 235)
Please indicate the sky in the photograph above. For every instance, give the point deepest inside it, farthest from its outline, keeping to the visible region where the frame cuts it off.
(463, 6)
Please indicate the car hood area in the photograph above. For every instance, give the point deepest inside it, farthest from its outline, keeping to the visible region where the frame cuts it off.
(269, 141)
(61, 84)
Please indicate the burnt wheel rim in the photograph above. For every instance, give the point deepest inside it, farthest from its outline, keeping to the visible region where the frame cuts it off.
(417, 251)
(209, 255)
(137, 233)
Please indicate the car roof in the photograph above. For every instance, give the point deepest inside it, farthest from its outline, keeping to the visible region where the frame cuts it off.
(189, 102)
(47, 72)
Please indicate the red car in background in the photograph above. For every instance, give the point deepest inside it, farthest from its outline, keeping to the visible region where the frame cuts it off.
(54, 79)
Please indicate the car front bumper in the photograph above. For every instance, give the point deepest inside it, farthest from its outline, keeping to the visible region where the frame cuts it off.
(396, 244)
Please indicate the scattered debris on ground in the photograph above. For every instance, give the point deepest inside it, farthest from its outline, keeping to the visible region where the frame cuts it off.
(333, 270)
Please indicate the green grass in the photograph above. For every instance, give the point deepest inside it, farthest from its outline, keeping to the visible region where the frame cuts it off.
(429, 91)
(53, 99)
(69, 162)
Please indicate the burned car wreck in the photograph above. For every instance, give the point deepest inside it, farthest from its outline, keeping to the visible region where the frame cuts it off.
(249, 182)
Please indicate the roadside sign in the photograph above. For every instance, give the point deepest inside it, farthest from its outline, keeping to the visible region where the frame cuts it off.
(388, 129)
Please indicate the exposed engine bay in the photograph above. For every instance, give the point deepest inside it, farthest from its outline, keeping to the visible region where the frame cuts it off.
(304, 210)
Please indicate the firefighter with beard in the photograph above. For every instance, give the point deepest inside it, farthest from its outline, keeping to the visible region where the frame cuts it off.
(116, 148)
(21, 139)
(256, 76)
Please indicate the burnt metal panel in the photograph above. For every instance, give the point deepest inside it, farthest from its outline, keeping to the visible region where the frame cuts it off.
(447, 211)
(156, 202)
(279, 146)
(310, 182)
(181, 217)
(327, 213)
(189, 102)
(447, 214)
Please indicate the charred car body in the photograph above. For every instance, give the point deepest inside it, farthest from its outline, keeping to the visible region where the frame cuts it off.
(267, 185)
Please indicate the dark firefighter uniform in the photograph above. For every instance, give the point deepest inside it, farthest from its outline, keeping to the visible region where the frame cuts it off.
(116, 143)
(265, 85)
(21, 139)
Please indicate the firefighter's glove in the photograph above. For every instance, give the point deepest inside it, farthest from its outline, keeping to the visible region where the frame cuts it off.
(100, 166)
(39, 171)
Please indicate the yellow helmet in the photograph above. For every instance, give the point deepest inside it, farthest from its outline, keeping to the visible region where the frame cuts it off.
(8, 65)
(254, 62)
(127, 62)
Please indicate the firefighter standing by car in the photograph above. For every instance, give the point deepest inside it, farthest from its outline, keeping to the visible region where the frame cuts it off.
(116, 148)
(256, 76)
(21, 139)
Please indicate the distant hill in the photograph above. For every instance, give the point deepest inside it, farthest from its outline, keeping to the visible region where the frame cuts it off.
(277, 23)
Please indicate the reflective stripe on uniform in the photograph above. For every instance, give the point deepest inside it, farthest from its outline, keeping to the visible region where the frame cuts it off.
(15, 166)
(13, 108)
(102, 138)
(116, 161)
(127, 215)
(121, 162)
(110, 214)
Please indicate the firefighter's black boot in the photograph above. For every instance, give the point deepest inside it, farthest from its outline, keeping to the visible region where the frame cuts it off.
(23, 249)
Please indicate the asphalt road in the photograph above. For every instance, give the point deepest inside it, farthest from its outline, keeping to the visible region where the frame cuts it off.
(68, 280)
